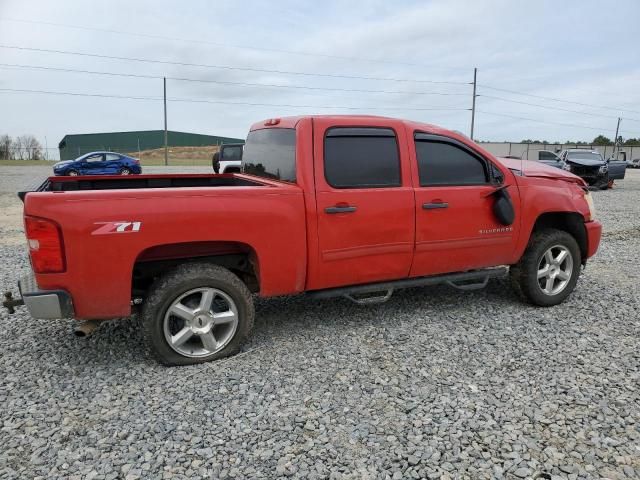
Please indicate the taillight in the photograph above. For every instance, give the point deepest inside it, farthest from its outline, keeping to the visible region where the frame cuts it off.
(45, 245)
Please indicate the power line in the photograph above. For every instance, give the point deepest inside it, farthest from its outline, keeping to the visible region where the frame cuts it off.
(557, 99)
(601, 129)
(223, 82)
(557, 108)
(219, 44)
(228, 67)
(225, 102)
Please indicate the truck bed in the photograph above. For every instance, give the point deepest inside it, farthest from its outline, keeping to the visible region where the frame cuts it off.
(175, 215)
(118, 182)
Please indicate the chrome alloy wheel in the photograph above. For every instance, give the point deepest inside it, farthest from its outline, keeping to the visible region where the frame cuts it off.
(200, 322)
(555, 269)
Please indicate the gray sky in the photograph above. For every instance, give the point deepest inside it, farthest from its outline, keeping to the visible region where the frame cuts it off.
(577, 51)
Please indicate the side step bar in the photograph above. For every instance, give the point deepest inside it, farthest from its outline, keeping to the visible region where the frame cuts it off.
(472, 280)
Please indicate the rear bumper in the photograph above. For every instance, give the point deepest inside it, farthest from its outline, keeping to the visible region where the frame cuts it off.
(44, 303)
(594, 232)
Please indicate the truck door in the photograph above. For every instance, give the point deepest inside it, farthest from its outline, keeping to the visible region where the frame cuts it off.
(456, 229)
(365, 203)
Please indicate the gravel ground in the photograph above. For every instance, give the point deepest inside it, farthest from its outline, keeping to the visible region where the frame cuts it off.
(435, 383)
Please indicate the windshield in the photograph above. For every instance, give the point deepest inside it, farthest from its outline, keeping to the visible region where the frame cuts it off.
(584, 156)
(271, 153)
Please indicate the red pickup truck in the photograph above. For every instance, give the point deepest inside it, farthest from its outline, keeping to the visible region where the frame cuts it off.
(355, 206)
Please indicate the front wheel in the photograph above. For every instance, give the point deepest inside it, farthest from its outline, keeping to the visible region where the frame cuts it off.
(604, 183)
(72, 173)
(197, 313)
(548, 271)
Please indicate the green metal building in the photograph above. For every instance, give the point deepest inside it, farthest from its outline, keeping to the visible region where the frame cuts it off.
(72, 146)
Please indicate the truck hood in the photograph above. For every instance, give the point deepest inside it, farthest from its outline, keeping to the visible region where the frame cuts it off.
(586, 162)
(530, 168)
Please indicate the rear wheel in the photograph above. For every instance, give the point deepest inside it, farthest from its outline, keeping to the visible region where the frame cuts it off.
(548, 271)
(197, 313)
(125, 171)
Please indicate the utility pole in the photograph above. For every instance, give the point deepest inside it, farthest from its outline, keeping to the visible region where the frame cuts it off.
(615, 139)
(473, 103)
(166, 150)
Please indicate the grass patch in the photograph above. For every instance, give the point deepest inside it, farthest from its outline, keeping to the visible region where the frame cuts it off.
(149, 162)
(25, 163)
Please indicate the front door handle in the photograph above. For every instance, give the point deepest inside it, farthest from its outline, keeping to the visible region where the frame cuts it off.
(431, 206)
(340, 209)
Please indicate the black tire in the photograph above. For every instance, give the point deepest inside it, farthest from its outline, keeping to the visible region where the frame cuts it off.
(524, 274)
(185, 278)
(125, 171)
(72, 173)
(603, 183)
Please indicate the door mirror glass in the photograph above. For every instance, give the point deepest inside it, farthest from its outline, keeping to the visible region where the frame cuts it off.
(503, 207)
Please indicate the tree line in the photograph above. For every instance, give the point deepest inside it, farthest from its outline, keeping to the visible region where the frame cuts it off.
(600, 140)
(23, 147)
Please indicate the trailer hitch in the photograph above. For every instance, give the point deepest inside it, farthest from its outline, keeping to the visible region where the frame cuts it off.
(10, 303)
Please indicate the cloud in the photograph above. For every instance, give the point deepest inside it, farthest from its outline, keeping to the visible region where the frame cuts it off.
(577, 51)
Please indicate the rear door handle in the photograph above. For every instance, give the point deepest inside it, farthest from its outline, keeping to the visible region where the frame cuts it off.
(336, 209)
(431, 206)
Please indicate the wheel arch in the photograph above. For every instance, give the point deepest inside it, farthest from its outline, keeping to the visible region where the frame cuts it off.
(240, 258)
(570, 222)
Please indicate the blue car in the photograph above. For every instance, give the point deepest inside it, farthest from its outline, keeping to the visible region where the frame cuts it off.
(99, 163)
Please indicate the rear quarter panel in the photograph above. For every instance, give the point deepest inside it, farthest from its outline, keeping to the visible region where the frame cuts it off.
(270, 219)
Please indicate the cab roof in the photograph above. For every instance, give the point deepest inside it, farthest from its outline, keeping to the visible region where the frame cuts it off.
(291, 122)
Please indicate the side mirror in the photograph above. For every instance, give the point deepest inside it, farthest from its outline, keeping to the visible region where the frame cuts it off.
(503, 206)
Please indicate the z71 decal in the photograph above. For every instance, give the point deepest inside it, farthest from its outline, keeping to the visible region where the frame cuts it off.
(117, 227)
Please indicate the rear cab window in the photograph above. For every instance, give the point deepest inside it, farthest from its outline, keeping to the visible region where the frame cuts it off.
(361, 157)
(232, 153)
(271, 153)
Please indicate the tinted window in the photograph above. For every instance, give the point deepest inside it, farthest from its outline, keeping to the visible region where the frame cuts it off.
(113, 156)
(232, 153)
(442, 163)
(361, 158)
(94, 158)
(544, 155)
(271, 153)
